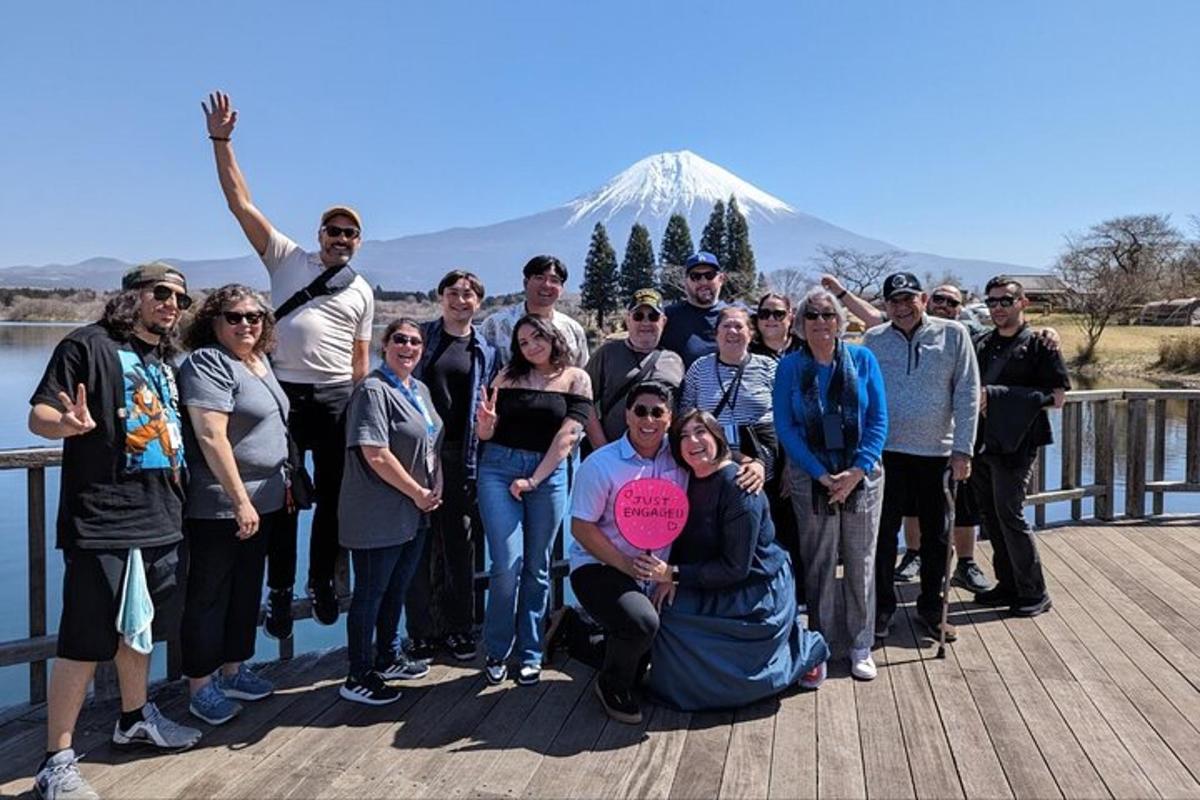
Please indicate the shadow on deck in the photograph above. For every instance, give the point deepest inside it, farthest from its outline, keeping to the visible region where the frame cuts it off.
(1100, 697)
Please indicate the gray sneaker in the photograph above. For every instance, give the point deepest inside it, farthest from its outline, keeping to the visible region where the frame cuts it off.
(155, 730)
(968, 575)
(910, 567)
(60, 779)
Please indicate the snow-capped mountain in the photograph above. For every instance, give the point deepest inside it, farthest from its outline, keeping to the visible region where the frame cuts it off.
(647, 192)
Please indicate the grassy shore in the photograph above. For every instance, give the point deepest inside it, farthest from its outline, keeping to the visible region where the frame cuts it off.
(1125, 351)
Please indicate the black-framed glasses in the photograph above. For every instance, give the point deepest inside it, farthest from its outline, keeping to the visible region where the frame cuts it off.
(334, 231)
(773, 313)
(238, 317)
(403, 338)
(1004, 302)
(945, 300)
(163, 293)
(698, 275)
(655, 412)
(813, 316)
(642, 316)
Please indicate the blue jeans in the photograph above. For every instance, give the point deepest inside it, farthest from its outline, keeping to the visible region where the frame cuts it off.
(519, 537)
(381, 578)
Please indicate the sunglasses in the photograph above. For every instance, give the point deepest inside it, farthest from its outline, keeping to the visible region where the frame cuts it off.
(400, 338)
(642, 316)
(813, 316)
(334, 231)
(702, 275)
(238, 317)
(945, 300)
(772, 313)
(656, 412)
(1004, 302)
(164, 293)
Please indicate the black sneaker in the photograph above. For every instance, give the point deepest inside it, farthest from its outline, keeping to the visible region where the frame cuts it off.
(933, 626)
(1031, 607)
(495, 671)
(278, 624)
(324, 602)
(422, 649)
(883, 627)
(371, 690)
(529, 675)
(995, 597)
(618, 703)
(404, 669)
(909, 568)
(968, 575)
(462, 646)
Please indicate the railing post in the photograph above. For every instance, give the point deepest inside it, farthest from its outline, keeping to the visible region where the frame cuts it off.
(1070, 453)
(1039, 486)
(1160, 450)
(35, 515)
(1135, 459)
(1192, 436)
(1102, 421)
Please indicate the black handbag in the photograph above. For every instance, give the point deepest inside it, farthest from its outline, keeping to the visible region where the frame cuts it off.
(300, 490)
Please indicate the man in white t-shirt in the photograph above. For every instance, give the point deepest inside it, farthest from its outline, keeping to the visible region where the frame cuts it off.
(545, 277)
(323, 350)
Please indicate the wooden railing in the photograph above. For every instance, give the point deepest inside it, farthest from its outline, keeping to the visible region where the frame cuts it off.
(1145, 448)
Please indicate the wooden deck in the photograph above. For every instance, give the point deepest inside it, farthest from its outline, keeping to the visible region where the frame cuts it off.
(1099, 698)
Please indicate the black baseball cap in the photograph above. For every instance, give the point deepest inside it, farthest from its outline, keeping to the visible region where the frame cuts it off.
(899, 283)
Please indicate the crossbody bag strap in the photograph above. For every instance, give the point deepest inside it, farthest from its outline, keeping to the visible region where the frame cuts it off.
(1001, 361)
(645, 370)
(318, 287)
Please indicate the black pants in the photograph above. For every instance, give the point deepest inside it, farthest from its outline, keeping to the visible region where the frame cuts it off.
(999, 483)
(909, 477)
(629, 618)
(318, 424)
(224, 589)
(786, 531)
(441, 598)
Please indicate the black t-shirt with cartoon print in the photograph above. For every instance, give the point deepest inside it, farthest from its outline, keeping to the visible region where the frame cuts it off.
(121, 482)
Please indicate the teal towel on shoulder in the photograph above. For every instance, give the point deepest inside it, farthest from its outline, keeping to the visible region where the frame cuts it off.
(135, 611)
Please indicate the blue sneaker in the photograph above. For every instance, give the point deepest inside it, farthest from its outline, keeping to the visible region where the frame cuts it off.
(211, 705)
(245, 684)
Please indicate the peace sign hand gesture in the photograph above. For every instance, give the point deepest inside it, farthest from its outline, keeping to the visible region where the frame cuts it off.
(220, 118)
(485, 413)
(76, 418)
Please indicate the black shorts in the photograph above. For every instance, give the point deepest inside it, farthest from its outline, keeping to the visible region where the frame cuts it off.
(92, 582)
(966, 510)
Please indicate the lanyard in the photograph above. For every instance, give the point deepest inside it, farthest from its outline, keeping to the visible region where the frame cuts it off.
(728, 401)
(414, 399)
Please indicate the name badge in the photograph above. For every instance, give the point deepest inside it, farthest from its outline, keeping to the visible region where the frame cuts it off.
(731, 436)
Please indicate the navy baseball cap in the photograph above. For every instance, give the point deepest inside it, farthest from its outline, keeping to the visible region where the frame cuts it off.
(901, 283)
(702, 259)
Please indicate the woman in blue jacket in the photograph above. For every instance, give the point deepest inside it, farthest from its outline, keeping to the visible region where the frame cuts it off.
(831, 418)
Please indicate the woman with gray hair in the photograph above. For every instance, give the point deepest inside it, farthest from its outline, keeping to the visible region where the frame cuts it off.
(831, 417)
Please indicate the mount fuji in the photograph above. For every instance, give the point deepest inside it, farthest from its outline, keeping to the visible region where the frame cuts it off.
(647, 192)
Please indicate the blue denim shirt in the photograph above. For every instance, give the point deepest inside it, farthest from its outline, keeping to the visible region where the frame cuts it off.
(483, 369)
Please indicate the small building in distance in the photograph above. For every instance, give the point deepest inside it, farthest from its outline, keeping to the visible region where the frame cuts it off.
(1183, 311)
(1046, 292)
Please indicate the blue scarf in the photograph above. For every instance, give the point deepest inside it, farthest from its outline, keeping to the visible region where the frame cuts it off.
(842, 399)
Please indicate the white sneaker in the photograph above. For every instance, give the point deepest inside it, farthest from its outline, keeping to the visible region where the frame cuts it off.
(862, 666)
(155, 730)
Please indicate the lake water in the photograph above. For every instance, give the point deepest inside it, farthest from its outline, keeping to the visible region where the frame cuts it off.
(24, 349)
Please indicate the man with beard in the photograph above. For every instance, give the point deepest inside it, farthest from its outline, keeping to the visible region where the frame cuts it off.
(618, 366)
(545, 276)
(324, 311)
(1021, 377)
(692, 322)
(120, 509)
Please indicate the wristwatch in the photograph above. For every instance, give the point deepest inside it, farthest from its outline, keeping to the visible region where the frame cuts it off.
(674, 573)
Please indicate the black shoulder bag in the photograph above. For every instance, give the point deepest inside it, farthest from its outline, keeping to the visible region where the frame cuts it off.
(299, 483)
(320, 286)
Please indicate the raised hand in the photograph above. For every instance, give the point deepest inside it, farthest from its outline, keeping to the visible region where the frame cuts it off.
(219, 117)
(76, 417)
(485, 412)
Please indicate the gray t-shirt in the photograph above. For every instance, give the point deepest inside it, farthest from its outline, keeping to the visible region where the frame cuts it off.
(212, 378)
(615, 365)
(371, 512)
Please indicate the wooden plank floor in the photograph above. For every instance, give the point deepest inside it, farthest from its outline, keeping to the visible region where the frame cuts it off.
(1099, 698)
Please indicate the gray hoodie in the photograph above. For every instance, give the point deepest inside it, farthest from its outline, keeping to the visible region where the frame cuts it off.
(932, 386)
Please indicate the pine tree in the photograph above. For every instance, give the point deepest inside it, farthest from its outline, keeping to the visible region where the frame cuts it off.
(738, 256)
(637, 269)
(600, 276)
(712, 240)
(674, 252)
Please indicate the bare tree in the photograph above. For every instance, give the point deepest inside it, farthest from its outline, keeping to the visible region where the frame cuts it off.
(861, 273)
(946, 278)
(1117, 265)
(789, 282)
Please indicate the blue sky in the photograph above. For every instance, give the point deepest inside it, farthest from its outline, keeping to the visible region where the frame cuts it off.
(967, 129)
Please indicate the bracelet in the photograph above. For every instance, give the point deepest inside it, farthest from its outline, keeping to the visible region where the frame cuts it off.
(219, 138)
(842, 294)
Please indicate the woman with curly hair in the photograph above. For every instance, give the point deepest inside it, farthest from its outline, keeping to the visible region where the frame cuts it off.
(236, 451)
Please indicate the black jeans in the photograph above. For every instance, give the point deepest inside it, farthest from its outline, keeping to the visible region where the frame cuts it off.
(318, 424)
(441, 598)
(909, 477)
(224, 589)
(999, 483)
(629, 618)
(381, 578)
(787, 531)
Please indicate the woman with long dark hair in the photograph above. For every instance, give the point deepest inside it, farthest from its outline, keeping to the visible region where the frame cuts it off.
(529, 420)
(236, 450)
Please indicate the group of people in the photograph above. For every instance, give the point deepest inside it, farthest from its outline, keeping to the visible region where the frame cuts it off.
(191, 469)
